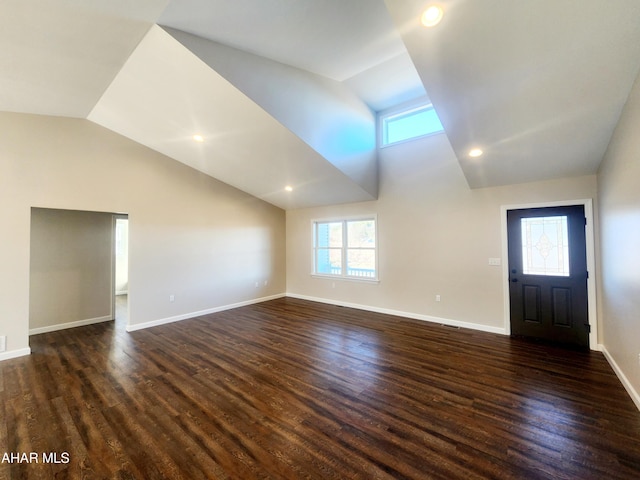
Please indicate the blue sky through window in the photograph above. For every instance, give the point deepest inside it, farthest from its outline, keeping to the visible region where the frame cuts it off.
(406, 125)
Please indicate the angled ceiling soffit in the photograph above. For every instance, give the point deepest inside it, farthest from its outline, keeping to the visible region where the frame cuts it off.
(164, 95)
(322, 112)
(539, 94)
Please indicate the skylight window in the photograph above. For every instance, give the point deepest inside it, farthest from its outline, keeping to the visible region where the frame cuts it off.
(409, 124)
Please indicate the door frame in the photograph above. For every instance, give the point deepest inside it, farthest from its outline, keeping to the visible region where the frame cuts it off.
(589, 233)
(114, 218)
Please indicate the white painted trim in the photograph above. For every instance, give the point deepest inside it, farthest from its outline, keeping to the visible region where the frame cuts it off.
(506, 306)
(399, 313)
(21, 352)
(590, 236)
(635, 396)
(343, 219)
(112, 282)
(404, 107)
(345, 278)
(591, 262)
(186, 316)
(64, 326)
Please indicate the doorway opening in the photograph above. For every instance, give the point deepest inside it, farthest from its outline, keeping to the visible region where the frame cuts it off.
(71, 271)
(121, 270)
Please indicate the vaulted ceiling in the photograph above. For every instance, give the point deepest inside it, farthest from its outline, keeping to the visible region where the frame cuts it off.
(285, 92)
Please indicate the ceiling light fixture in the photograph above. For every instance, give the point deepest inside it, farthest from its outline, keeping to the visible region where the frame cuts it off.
(475, 152)
(289, 188)
(432, 16)
(198, 138)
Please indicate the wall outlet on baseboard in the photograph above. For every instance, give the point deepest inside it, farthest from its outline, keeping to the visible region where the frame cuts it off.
(437, 298)
(3, 343)
(172, 298)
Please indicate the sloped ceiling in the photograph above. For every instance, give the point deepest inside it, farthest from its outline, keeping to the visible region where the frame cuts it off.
(539, 86)
(318, 110)
(164, 95)
(58, 58)
(336, 39)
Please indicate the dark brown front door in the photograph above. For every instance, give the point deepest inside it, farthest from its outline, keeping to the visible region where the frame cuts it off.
(548, 274)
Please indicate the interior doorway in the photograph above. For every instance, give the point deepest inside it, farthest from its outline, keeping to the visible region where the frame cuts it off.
(121, 270)
(71, 269)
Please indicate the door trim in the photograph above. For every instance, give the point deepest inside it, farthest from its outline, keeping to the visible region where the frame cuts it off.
(591, 262)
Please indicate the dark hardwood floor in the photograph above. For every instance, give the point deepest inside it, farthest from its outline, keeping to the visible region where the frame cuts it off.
(291, 389)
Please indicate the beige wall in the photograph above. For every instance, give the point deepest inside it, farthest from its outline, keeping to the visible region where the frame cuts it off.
(70, 267)
(189, 235)
(619, 200)
(435, 237)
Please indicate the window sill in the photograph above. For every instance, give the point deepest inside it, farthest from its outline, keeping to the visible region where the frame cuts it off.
(410, 139)
(346, 279)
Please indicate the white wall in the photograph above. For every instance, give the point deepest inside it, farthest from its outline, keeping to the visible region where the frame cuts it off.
(70, 268)
(121, 246)
(435, 237)
(190, 235)
(619, 200)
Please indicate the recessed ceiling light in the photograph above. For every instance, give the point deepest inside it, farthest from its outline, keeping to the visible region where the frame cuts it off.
(432, 16)
(198, 138)
(475, 152)
(289, 188)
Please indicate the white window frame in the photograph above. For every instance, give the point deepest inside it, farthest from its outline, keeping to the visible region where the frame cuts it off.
(344, 248)
(404, 110)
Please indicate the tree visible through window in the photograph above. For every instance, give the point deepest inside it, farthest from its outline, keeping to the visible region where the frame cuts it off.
(345, 248)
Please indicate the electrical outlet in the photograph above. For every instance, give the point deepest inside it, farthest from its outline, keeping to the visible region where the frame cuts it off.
(3, 343)
(172, 298)
(494, 262)
(437, 298)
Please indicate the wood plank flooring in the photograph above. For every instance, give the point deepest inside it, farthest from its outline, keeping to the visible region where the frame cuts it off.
(290, 389)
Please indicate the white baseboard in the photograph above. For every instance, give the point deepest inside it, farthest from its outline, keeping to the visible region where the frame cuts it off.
(122, 292)
(186, 316)
(399, 313)
(623, 378)
(21, 352)
(63, 326)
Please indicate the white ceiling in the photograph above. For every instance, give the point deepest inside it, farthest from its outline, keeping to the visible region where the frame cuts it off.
(315, 36)
(338, 39)
(538, 85)
(58, 58)
(169, 95)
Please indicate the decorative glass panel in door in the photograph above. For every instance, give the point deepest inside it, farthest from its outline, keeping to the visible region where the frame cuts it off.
(545, 246)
